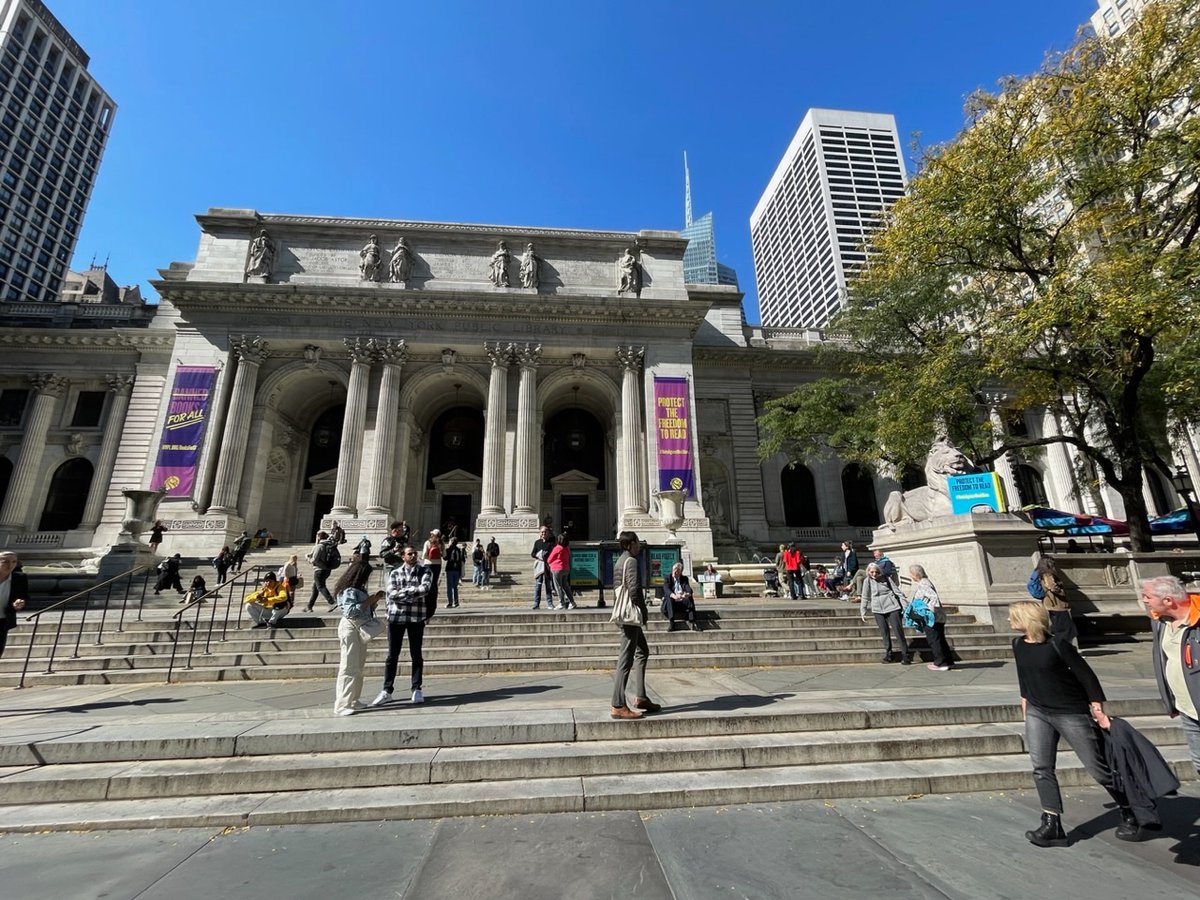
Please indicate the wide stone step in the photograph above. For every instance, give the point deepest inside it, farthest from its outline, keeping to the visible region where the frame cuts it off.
(657, 790)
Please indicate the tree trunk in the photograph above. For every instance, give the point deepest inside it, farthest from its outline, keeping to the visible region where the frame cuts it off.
(1141, 539)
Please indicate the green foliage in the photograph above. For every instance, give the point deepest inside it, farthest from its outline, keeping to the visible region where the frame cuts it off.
(1048, 253)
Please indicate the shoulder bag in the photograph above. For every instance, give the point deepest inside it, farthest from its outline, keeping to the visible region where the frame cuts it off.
(625, 611)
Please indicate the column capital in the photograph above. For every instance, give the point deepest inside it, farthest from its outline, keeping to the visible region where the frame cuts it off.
(362, 350)
(500, 354)
(46, 383)
(119, 384)
(528, 356)
(251, 349)
(631, 357)
(392, 352)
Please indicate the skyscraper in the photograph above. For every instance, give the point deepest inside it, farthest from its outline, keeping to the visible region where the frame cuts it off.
(700, 264)
(808, 231)
(1113, 17)
(54, 124)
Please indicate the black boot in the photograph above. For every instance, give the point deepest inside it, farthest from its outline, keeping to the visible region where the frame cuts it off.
(1049, 834)
(1129, 830)
(887, 657)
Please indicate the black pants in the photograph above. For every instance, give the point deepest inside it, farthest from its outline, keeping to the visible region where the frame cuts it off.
(935, 636)
(396, 632)
(320, 587)
(882, 621)
(431, 599)
(3, 636)
(168, 580)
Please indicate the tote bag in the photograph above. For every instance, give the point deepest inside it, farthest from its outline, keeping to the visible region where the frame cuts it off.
(625, 611)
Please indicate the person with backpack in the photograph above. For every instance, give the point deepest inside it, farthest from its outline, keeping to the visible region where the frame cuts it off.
(221, 563)
(1045, 585)
(168, 574)
(1060, 698)
(452, 561)
(390, 548)
(325, 557)
(240, 548)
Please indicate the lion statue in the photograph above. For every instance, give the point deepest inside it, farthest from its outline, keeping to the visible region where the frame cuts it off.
(933, 499)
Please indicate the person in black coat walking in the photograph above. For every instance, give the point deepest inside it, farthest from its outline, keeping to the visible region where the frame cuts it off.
(14, 591)
(168, 574)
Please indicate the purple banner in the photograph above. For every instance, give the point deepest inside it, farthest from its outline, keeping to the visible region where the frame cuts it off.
(183, 432)
(672, 424)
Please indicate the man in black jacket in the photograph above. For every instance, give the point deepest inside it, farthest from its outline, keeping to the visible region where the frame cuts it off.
(14, 590)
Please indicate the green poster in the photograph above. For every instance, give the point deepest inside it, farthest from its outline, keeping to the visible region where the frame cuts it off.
(661, 560)
(585, 567)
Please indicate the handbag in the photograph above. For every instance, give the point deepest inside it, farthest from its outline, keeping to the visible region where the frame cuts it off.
(625, 611)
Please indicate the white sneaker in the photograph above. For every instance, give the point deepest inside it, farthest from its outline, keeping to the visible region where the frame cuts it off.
(348, 711)
(384, 697)
(418, 697)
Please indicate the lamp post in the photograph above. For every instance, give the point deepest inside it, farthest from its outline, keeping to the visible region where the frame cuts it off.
(1182, 482)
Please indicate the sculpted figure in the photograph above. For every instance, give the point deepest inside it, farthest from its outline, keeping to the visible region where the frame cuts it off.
(262, 255)
(499, 266)
(529, 268)
(630, 281)
(369, 260)
(933, 499)
(401, 266)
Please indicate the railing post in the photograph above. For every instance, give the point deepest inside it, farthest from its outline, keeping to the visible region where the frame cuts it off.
(195, 628)
(103, 616)
(29, 652)
(54, 648)
(174, 647)
(145, 585)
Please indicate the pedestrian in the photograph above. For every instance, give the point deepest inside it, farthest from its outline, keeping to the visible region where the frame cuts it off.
(356, 627)
(452, 561)
(631, 660)
(541, 575)
(880, 597)
(431, 556)
(14, 592)
(924, 592)
(289, 577)
(156, 533)
(221, 563)
(390, 548)
(337, 533)
(791, 562)
(321, 556)
(408, 609)
(493, 553)
(1060, 698)
(168, 574)
(240, 548)
(1175, 626)
(559, 563)
(479, 566)
(363, 548)
(1045, 584)
(887, 567)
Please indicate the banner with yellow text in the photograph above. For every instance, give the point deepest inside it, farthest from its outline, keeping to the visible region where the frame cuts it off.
(183, 432)
(672, 424)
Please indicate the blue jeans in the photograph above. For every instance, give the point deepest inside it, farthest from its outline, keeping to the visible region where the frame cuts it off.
(1042, 730)
(538, 582)
(452, 579)
(480, 576)
(1191, 731)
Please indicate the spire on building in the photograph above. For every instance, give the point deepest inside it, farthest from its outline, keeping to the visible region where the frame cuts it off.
(700, 264)
(687, 193)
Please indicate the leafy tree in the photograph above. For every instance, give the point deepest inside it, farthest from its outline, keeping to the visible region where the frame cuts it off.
(1050, 252)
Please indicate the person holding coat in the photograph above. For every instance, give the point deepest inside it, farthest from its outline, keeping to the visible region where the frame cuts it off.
(1060, 698)
(14, 591)
(935, 631)
(631, 660)
(880, 597)
(677, 598)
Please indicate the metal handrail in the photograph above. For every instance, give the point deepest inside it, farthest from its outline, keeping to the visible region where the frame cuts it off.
(61, 607)
(231, 588)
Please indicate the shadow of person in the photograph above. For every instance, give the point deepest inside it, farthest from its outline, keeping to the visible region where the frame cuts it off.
(1180, 824)
(728, 703)
(87, 707)
(468, 698)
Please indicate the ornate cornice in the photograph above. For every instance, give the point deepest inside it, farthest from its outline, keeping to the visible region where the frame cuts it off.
(498, 354)
(120, 384)
(251, 349)
(49, 384)
(631, 357)
(88, 340)
(528, 355)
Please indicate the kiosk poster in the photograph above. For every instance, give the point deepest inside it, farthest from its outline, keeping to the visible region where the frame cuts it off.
(585, 567)
(661, 560)
(672, 426)
(183, 431)
(978, 489)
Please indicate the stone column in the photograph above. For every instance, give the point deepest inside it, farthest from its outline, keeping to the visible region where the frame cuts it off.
(1066, 493)
(16, 514)
(527, 489)
(632, 465)
(251, 352)
(408, 441)
(393, 355)
(345, 491)
(492, 503)
(1003, 464)
(120, 386)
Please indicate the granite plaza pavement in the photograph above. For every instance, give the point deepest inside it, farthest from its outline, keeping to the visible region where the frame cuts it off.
(959, 845)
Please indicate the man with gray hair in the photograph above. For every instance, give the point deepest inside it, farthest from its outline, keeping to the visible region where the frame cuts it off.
(1175, 623)
(14, 590)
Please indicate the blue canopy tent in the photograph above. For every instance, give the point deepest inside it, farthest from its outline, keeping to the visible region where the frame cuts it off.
(1178, 522)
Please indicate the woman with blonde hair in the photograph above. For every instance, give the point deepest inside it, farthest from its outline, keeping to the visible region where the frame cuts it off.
(1060, 697)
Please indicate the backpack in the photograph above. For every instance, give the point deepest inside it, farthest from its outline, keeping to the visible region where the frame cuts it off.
(1034, 586)
(163, 568)
(389, 551)
(327, 556)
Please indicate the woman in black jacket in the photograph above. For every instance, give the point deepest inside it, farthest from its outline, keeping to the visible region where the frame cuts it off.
(1060, 697)
(14, 591)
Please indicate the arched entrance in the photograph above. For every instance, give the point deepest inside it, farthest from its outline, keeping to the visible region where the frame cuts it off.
(858, 490)
(799, 497)
(67, 496)
(324, 446)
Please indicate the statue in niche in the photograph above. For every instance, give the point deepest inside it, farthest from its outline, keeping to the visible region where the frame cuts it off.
(401, 266)
(630, 280)
(262, 256)
(369, 260)
(499, 266)
(530, 266)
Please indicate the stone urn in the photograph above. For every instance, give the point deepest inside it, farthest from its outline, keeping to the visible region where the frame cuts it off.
(670, 508)
(141, 511)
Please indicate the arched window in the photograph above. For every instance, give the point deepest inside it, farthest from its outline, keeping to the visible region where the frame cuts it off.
(858, 489)
(799, 497)
(1031, 490)
(455, 442)
(67, 496)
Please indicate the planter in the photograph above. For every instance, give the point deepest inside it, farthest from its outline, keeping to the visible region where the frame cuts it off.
(141, 511)
(670, 508)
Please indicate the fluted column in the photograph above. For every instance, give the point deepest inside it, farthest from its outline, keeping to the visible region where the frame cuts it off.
(393, 355)
(16, 514)
(526, 488)
(251, 352)
(1003, 464)
(345, 491)
(1066, 493)
(120, 386)
(493, 439)
(632, 463)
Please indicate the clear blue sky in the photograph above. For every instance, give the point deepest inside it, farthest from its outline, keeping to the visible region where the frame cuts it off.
(556, 113)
